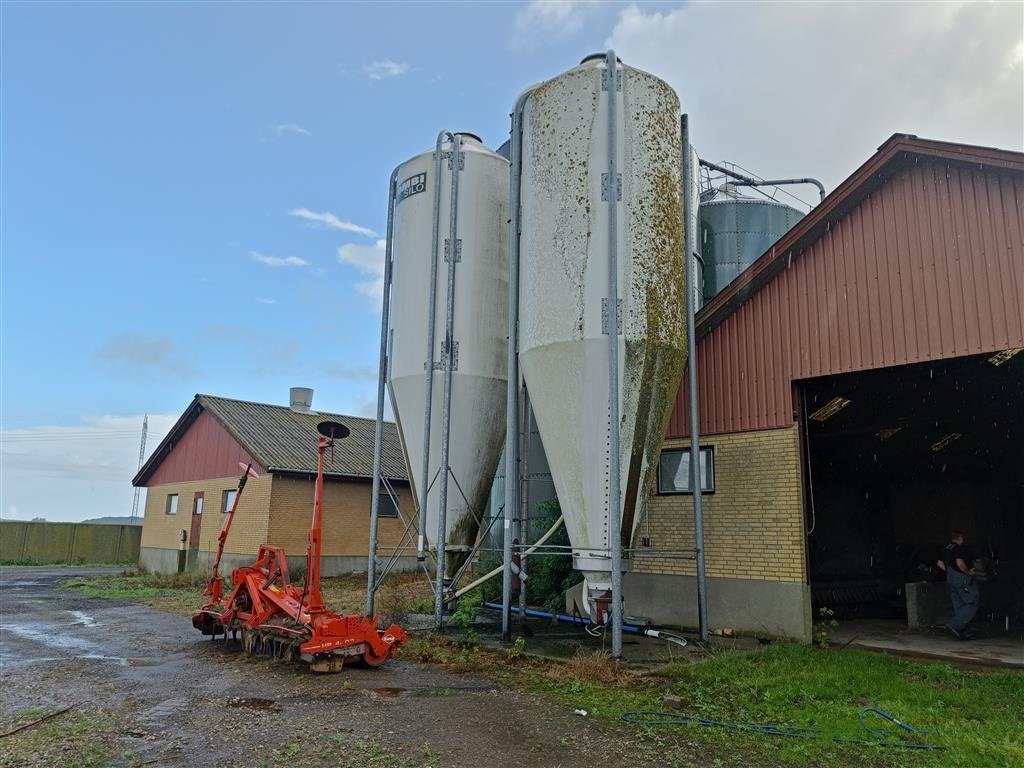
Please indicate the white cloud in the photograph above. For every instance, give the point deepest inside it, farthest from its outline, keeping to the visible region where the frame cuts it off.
(292, 128)
(369, 260)
(813, 88)
(73, 472)
(278, 261)
(331, 221)
(266, 300)
(545, 19)
(385, 68)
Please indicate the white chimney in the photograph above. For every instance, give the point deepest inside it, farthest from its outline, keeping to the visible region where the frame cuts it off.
(300, 399)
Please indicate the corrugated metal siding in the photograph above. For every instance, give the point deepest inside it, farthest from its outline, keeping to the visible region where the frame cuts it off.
(206, 451)
(930, 265)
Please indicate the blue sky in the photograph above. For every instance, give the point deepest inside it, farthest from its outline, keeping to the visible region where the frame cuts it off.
(192, 195)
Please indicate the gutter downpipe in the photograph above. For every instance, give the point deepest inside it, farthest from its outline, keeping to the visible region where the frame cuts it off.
(749, 181)
(448, 358)
(691, 343)
(382, 373)
(512, 394)
(612, 80)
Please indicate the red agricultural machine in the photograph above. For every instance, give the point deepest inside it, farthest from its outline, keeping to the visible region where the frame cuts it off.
(275, 616)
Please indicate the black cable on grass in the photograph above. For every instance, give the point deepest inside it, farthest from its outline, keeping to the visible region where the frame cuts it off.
(649, 718)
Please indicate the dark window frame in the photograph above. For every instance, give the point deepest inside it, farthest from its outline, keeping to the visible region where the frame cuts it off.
(708, 450)
(224, 506)
(168, 504)
(386, 506)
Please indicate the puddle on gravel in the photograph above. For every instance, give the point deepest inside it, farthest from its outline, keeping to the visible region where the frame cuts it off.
(51, 635)
(121, 660)
(261, 705)
(387, 693)
(83, 618)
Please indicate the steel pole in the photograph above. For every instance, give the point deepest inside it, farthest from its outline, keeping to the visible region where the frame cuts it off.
(421, 552)
(524, 499)
(614, 460)
(512, 392)
(448, 358)
(382, 375)
(689, 240)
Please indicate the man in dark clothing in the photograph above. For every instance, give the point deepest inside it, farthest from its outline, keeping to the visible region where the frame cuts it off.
(957, 559)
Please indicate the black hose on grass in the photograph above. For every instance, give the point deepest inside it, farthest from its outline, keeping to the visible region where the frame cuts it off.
(647, 717)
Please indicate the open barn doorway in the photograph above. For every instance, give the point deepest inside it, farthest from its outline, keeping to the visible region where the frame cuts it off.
(894, 459)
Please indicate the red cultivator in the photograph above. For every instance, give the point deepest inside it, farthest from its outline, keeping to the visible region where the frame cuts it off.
(273, 615)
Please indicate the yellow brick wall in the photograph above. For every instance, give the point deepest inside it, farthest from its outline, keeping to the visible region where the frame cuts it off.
(346, 517)
(753, 522)
(248, 530)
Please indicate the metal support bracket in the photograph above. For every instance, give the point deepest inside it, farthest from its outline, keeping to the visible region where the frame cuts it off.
(448, 249)
(606, 191)
(606, 319)
(617, 74)
(448, 156)
(439, 365)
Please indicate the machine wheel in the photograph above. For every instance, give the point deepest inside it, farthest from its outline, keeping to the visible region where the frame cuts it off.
(373, 660)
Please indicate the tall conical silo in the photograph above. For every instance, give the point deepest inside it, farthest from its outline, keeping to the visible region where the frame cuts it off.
(568, 241)
(476, 300)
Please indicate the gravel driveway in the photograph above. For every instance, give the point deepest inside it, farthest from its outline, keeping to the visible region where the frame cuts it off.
(189, 702)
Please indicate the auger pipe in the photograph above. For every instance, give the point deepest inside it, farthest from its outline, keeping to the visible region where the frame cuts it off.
(749, 181)
(529, 551)
(512, 394)
(614, 421)
(455, 158)
(382, 375)
(431, 341)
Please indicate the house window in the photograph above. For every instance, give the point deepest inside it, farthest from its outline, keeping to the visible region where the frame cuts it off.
(172, 504)
(386, 506)
(674, 471)
(227, 500)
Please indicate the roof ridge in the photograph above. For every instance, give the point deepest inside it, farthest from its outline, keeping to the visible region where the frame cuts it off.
(311, 412)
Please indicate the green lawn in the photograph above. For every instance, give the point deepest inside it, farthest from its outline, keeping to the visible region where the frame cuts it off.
(978, 716)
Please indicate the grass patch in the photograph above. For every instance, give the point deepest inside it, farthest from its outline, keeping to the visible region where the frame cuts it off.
(182, 593)
(176, 593)
(76, 739)
(976, 715)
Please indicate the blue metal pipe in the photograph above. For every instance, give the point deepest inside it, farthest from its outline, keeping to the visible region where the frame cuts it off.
(535, 614)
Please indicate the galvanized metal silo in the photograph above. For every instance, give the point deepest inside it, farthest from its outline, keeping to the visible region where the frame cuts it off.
(735, 231)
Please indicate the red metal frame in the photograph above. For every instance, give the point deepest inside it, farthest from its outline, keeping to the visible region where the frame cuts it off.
(264, 601)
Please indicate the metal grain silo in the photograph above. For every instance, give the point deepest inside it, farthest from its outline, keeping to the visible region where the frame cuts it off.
(601, 289)
(449, 313)
(735, 231)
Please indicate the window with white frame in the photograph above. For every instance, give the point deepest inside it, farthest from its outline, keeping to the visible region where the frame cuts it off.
(674, 471)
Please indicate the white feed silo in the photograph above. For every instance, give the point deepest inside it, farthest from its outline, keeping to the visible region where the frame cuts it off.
(473, 297)
(572, 135)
